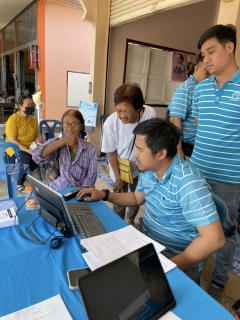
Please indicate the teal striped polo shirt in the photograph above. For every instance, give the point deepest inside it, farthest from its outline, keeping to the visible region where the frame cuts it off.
(181, 107)
(176, 205)
(216, 151)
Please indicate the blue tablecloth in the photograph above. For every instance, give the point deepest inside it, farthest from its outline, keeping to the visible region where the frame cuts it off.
(31, 273)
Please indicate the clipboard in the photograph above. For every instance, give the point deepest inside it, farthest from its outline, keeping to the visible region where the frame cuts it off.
(125, 170)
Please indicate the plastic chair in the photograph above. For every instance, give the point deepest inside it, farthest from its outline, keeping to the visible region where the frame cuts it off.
(50, 125)
(103, 118)
(12, 160)
(221, 206)
(11, 172)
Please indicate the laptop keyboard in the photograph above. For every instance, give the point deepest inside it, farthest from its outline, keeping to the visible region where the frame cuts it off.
(85, 220)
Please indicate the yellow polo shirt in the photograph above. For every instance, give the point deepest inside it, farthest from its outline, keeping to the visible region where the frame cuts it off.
(24, 130)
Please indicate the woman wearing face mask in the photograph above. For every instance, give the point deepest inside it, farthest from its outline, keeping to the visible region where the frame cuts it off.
(22, 128)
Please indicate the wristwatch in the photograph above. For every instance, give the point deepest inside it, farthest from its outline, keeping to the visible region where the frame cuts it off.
(107, 192)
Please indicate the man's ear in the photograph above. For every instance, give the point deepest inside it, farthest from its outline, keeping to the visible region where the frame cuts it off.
(161, 154)
(229, 47)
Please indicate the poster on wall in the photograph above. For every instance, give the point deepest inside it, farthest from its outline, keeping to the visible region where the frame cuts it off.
(89, 112)
(191, 61)
(179, 60)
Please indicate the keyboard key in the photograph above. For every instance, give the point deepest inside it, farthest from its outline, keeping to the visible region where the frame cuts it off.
(85, 220)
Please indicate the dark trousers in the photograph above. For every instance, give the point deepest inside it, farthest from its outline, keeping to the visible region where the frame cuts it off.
(27, 159)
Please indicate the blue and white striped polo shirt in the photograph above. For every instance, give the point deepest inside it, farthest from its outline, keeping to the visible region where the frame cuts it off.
(217, 146)
(181, 107)
(176, 205)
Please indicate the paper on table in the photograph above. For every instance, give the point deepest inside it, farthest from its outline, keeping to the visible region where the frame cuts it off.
(91, 261)
(113, 245)
(8, 218)
(7, 204)
(94, 264)
(52, 308)
(166, 263)
(169, 316)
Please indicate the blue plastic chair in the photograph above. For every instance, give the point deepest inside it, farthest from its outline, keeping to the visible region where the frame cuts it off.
(11, 172)
(103, 118)
(12, 160)
(221, 206)
(50, 126)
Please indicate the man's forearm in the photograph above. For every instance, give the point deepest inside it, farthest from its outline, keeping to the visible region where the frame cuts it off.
(202, 247)
(113, 160)
(123, 199)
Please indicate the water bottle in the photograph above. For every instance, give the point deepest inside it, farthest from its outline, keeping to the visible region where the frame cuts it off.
(31, 202)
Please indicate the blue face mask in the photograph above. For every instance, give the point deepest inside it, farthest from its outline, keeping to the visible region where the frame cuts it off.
(28, 111)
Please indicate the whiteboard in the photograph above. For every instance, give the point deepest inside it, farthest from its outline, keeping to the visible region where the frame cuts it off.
(77, 88)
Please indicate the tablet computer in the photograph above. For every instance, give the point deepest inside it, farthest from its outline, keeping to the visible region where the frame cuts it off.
(128, 288)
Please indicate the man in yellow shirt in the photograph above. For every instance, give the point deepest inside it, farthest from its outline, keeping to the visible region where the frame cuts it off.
(22, 128)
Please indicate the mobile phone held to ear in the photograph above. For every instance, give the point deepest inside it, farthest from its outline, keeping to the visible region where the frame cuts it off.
(74, 275)
(236, 307)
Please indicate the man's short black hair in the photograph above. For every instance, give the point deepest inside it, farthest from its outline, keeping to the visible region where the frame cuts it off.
(223, 34)
(160, 134)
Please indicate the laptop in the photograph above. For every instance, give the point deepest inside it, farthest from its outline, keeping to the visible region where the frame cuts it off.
(132, 287)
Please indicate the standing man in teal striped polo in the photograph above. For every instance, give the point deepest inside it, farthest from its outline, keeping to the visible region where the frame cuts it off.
(180, 109)
(216, 153)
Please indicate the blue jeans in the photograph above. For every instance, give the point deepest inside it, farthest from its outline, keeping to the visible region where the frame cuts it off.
(132, 211)
(230, 194)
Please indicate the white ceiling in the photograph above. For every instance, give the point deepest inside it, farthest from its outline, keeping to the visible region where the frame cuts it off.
(9, 9)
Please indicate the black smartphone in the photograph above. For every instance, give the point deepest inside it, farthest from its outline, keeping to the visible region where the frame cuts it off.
(74, 275)
(236, 307)
(71, 194)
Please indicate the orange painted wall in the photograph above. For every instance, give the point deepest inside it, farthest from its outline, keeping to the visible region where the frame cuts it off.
(67, 48)
(41, 44)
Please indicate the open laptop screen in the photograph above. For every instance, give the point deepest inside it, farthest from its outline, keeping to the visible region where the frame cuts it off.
(133, 287)
(53, 207)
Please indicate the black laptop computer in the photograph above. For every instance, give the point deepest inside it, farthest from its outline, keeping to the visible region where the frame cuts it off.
(133, 287)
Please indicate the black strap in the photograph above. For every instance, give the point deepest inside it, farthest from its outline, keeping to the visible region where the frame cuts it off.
(55, 242)
(58, 155)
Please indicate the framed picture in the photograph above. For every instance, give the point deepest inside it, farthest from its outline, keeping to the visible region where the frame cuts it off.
(179, 61)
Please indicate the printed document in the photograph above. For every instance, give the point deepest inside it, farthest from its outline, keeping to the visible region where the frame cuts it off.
(52, 308)
(112, 245)
(94, 264)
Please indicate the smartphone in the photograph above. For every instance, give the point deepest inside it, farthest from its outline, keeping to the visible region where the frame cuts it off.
(73, 276)
(236, 307)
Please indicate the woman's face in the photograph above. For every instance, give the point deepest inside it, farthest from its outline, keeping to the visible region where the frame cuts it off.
(126, 113)
(72, 126)
(27, 107)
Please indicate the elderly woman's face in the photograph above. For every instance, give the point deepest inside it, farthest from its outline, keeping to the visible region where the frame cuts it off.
(71, 126)
(126, 113)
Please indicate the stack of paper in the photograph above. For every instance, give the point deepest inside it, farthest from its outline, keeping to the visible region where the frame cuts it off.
(52, 308)
(8, 215)
(113, 245)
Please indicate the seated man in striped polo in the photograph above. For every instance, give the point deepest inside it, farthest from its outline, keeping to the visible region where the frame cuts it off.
(180, 108)
(180, 212)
